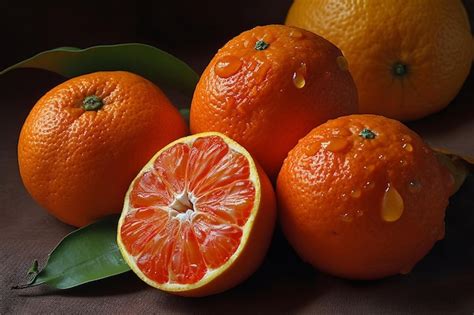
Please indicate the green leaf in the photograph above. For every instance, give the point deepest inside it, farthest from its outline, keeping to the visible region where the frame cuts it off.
(148, 61)
(87, 254)
(33, 269)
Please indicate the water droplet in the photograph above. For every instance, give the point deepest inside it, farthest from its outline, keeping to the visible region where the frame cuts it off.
(346, 217)
(355, 193)
(414, 186)
(381, 157)
(369, 185)
(403, 162)
(298, 80)
(359, 213)
(299, 75)
(344, 196)
(296, 34)
(342, 63)
(227, 66)
(392, 204)
(336, 144)
(408, 147)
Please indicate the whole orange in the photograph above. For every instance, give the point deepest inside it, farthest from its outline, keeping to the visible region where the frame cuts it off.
(268, 87)
(408, 58)
(363, 197)
(86, 139)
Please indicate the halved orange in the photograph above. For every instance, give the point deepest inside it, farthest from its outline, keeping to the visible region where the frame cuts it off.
(198, 218)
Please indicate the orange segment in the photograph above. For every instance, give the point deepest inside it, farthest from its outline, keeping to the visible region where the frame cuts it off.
(189, 213)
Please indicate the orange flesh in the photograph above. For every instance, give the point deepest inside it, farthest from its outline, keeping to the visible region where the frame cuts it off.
(188, 211)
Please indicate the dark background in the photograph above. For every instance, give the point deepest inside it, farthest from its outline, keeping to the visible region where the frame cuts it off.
(191, 30)
(442, 283)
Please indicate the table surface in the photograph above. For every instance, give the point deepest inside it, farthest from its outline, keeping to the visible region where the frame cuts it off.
(443, 282)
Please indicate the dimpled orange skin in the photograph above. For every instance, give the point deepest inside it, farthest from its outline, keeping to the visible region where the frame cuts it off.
(78, 164)
(259, 105)
(330, 202)
(431, 37)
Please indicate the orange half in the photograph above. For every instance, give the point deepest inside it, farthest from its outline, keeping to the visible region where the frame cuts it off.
(198, 218)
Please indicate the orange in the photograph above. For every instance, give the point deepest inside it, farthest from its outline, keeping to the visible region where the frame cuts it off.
(408, 58)
(198, 218)
(362, 197)
(268, 87)
(86, 139)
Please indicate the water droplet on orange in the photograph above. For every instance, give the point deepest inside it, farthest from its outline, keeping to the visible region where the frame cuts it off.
(408, 147)
(414, 186)
(403, 162)
(298, 80)
(392, 204)
(296, 34)
(342, 63)
(355, 193)
(336, 144)
(359, 213)
(299, 76)
(346, 217)
(227, 66)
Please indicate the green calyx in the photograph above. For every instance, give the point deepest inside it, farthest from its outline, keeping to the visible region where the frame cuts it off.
(367, 134)
(400, 69)
(261, 45)
(92, 102)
